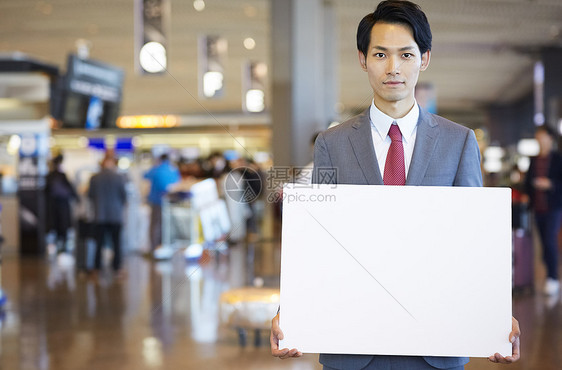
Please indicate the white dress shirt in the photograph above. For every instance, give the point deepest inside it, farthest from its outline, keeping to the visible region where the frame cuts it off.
(380, 125)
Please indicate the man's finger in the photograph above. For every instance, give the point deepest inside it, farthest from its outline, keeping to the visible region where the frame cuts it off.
(516, 350)
(281, 353)
(275, 329)
(274, 339)
(503, 360)
(273, 342)
(515, 330)
(499, 358)
(277, 332)
(292, 353)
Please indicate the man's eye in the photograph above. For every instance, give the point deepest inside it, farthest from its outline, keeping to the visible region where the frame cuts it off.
(379, 55)
(408, 55)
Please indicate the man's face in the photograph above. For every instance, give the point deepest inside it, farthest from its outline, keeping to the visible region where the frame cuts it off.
(393, 63)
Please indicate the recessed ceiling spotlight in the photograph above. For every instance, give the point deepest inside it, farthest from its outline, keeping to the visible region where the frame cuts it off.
(199, 5)
(152, 57)
(249, 43)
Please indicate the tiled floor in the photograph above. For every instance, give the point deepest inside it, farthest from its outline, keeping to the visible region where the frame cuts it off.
(165, 316)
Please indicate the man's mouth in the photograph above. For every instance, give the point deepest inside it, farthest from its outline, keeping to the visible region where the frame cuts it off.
(393, 83)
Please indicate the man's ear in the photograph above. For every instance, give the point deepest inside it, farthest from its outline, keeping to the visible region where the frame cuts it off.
(362, 60)
(425, 60)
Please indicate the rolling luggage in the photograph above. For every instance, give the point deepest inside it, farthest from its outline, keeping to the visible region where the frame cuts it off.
(85, 246)
(523, 260)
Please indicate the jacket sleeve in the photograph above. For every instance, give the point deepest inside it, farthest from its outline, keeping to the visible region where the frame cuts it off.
(123, 190)
(91, 188)
(469, 172)
(70, 187)
(323, 171)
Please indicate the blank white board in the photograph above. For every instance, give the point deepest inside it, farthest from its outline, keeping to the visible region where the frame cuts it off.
(396, 270)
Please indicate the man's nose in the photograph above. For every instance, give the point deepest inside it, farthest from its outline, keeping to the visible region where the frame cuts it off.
(393, 66)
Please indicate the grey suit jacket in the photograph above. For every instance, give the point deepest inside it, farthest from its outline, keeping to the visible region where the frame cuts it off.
(108, 195)
(445, 154)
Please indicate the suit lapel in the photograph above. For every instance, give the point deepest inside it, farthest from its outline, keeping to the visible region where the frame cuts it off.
(362, 143)
(426, 139)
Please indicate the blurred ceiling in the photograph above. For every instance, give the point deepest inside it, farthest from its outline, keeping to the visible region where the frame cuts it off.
(483, 50)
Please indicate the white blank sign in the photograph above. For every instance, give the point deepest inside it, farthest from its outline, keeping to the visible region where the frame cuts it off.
(396, 270)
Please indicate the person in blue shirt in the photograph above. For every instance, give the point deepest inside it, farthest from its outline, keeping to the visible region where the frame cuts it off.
(161, 176)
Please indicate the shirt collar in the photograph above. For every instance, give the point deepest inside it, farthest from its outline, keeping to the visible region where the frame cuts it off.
(407, 124)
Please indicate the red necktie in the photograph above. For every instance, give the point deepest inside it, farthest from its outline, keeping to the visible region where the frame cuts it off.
(394, 168)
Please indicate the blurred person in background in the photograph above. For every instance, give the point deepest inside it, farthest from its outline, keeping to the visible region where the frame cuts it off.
(191, 172)
(60, 193)
(519, 201)
(215, 165)
(161, 176)
(248, 177)
(108, 195)
(232, 187)
(255, 180)
(543, 187)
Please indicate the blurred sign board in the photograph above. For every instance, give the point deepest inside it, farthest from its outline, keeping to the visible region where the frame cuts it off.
(90, 94)
(93, 78)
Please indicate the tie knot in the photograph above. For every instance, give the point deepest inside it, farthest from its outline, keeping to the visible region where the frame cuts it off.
(394, 133)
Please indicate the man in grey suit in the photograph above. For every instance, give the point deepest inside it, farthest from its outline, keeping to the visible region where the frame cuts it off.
(107, 192)
(395, 142)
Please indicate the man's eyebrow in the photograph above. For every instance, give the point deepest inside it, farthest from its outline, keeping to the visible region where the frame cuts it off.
(405, 48)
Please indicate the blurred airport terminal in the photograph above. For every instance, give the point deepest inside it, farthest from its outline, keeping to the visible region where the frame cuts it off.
(164, 130)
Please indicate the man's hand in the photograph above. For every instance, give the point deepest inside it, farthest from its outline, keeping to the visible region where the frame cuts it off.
(276, 335)
(514, 339)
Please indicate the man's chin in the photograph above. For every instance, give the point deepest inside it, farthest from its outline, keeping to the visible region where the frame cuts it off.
(394, 98)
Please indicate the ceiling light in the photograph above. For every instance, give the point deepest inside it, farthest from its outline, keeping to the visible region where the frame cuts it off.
(255, 100)
(212, 82)
(152, 57)
(249, 43)
(199, 5)
(14, 144)
(492, 165)
(528, 147)
(493, 152)
(523, 164)
(124, 163)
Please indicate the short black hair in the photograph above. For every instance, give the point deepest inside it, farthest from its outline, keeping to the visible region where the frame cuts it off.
(400, 12)
(58, 159)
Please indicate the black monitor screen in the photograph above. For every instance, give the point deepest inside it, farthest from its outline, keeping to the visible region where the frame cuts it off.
(82, 111)
(90, 94)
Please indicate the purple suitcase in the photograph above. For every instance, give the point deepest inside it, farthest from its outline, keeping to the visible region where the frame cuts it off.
(523, 260)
